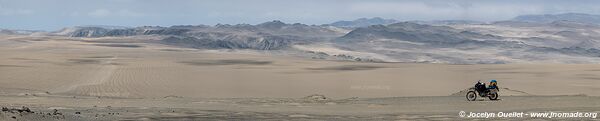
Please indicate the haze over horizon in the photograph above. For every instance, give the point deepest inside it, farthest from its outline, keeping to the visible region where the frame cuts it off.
(56, 14)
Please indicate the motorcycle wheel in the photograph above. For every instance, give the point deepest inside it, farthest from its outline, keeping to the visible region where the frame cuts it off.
(493, 96)
(471, 95)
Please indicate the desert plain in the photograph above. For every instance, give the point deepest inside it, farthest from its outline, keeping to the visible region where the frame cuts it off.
(62, 78)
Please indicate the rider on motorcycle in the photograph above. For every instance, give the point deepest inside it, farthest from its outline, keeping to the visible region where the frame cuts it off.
(481, 90)
(493, 85)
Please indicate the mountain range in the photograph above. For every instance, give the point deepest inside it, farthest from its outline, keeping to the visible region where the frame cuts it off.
(559, 38)
(548, 18)
(363, 22)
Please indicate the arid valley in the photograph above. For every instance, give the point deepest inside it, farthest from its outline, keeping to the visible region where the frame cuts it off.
(299, 60)
(142, 81)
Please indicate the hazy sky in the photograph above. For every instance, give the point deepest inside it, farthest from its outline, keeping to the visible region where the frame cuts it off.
(55, 14)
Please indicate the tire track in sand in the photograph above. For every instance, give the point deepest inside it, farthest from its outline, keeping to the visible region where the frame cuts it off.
(96, 77)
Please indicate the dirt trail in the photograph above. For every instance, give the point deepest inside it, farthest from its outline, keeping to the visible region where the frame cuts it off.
(98, 75)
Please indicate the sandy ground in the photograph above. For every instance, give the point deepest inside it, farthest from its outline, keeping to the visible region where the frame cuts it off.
(146, 81)
(393, 108)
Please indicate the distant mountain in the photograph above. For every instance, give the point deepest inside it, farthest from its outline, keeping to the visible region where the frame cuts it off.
(548, 18)
(381, 40)
(412, 42)
(94, 31)
(448, 22)
(364, 22)
(5, 31)
(265, 36)
(413, 32)
(16, 32)
(272, 27)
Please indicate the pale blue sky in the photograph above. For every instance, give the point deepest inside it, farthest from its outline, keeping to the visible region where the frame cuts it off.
(55, 14)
